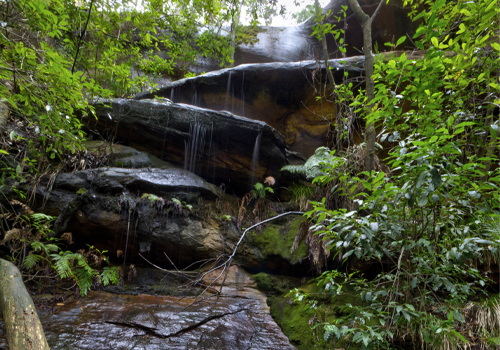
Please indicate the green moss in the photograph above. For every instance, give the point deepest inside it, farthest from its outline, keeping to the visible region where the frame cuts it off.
(248, 34)
(275, 284)
(277, 240)
(294, 318)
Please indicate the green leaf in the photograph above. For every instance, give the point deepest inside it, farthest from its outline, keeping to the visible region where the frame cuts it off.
(406, 315)
(401, 40)
(436, 178)
(435, 41)
(421, 179)
(474, 194)
(458, 316)
(423, 200)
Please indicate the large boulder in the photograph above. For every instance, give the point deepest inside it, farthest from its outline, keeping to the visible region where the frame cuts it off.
(166, 215)
(283, 95)
(219, 146)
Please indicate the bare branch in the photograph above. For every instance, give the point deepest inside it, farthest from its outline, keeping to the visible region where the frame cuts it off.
(376, 11)
(228, 263)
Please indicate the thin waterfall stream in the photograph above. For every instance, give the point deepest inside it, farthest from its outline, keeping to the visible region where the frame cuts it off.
(255, 158)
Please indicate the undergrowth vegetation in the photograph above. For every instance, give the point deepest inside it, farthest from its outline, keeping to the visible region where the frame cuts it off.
(30, 243)
(417, 240)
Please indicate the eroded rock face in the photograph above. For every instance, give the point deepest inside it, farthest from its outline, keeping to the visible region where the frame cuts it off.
(283, 95)
(166, 215)
(135, 211)
(218, 146)
(239, 320)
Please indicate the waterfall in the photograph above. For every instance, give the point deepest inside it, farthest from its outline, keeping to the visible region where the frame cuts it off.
(165, 136)
(126, 242)
(172, 94)
(211, 156)
(194, 148)
(255, 158)
(243, 95)
(228, 92)
(195, 98)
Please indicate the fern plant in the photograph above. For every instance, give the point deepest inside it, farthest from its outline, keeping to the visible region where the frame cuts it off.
(32, 230)
(261, 191)
(313, 166)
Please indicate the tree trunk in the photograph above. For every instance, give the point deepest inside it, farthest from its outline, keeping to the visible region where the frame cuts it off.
(325, 55)
(235, 21)
(22, 325)
(366, 24)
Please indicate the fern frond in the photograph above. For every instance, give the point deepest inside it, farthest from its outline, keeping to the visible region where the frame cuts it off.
(313, 166)
(110, 275)
(37, 246)
(63, 264)
(294, 169)
(51, 248)
(47, 248)
(39, 218)
(84, 279)
(31, 260)
(83, 264)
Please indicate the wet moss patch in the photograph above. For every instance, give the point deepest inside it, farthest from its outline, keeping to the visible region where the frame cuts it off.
(271, 284)
(277, 240)
(302, 324)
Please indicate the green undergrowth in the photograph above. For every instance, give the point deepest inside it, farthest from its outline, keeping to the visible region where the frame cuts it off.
(277, 240)
(301, 322)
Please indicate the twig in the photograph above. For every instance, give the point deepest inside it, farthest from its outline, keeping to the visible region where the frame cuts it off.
(81, 37)
(228, 264)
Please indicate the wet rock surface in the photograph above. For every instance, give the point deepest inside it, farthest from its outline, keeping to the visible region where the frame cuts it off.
(239, 320)
(218, 146)
(281, 94)
(166, 215)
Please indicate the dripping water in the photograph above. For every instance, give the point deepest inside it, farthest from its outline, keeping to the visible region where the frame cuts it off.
(165, 137)
(243, 95)
(232, 99)
(172, 95)
(211, 155)
(255, 157)
(194, 147)
(195, 98)
(126, 242)
(228, 91)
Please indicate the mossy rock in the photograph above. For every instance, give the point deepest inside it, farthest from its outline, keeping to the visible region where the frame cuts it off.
(248, 34)
(272, 284)
(297, 320)
(277, 240)
(123, 156)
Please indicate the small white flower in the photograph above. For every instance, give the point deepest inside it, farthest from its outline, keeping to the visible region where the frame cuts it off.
(37, 130)
(61, 131)
(48, 108)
